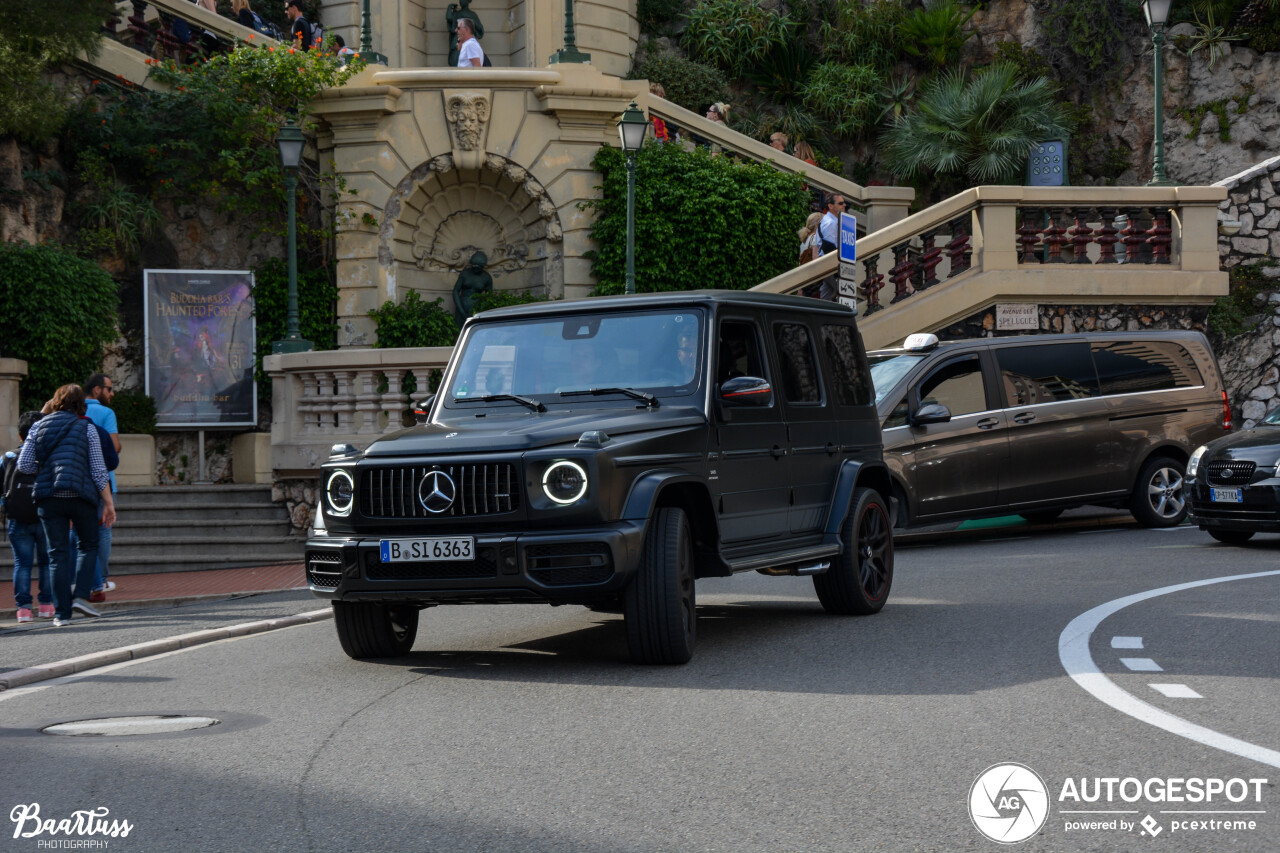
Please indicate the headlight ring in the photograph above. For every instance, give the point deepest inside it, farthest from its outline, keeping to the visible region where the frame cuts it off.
(339, 492)
(564, 482)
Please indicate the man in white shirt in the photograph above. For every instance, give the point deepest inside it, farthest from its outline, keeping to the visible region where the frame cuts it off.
(470, 54)
(829, 234)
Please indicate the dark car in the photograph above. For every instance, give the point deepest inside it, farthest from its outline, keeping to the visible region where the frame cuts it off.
(607, 452)
(1234, 485)
(1037, 424)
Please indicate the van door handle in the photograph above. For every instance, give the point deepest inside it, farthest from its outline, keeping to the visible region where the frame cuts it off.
(988, 423)
(777, 452)
(1024, 418)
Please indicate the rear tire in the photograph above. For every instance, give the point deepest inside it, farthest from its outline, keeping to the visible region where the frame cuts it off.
(368, 630)
(859, 579)
(1230, 537)
(660, 606)
(1159, 496)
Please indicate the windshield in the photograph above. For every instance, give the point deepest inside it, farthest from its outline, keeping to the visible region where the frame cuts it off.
(888, 368)
(536, 358)
(1272, 418)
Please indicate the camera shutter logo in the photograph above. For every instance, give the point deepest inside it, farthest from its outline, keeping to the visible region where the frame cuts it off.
(436, 491)
(1009, 803)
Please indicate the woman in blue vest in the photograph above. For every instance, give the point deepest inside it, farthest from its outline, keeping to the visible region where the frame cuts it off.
(64, 452)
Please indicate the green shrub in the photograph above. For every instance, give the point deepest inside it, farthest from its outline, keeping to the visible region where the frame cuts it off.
(701, 221)
(1027, 60)
(59, 313)
(654, 15)
(689, 84)
(504, 298)
(135, 412)
(316, 317)
(414, 323)
(734, 34)
(1242, 308)
(780, 74)
(936, 33)
(1089, 41)
(864, 32)
(845, 95)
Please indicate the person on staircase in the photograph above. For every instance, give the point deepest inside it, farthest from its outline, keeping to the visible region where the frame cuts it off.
(26, 536)
(100, 389)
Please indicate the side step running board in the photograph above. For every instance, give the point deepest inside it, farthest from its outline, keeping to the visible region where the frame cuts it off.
(813, 561)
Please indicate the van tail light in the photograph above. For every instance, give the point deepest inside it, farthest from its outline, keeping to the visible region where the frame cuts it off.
(1226, 413)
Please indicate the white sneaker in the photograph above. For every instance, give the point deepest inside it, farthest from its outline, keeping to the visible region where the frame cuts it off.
(107, 586)
(85, 607)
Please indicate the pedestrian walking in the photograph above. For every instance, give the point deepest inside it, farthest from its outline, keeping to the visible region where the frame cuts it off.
(829, 232)
(470, 54)
(65, 454)
(26, 535)
(300, 27)
(99, 390)
(810, 242)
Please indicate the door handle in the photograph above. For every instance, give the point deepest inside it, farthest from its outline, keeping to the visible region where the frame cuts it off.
(777, 452)
(1024, 418)
(988, 423)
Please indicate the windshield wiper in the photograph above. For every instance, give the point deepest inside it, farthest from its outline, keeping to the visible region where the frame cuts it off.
(524, 401)
(643, 396)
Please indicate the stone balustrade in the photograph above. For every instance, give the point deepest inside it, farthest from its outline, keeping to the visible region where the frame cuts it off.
(12, 371)
(350, 396)
(1072, 245)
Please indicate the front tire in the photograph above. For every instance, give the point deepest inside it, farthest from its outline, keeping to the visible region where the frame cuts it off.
(1159, 496)
(1230, 537)
(368, 630)
(859, 579)
(660, 606)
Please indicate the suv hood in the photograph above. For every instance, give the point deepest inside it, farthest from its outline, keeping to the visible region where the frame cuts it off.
(528, 430)
(1257, 444)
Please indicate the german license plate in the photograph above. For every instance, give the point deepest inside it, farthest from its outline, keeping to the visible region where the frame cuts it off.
(430, 550)
(1226, 496)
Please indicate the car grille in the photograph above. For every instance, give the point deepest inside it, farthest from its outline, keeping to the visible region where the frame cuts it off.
(479, 490)
(324, 569)
(569, 564)
(485, 565)
(1236, 473)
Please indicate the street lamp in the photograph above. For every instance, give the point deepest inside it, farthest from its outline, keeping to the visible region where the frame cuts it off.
(1157, 12)
(291, 143)
(570, 52)
(632, 127)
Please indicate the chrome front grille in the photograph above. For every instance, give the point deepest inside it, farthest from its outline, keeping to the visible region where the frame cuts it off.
(1235, 473)
(488, 489)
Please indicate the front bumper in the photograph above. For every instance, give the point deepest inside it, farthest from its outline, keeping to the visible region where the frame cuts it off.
(558, 567)
(1259, 511)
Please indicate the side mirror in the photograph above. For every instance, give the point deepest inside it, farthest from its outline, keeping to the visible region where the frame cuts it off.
(931, 413)
(746, 391)
(422, 409)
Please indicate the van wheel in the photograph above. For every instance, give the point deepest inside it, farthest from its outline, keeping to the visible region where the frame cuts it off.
(1230, 537)
(1159, 497)
(660, 606)
(368, 630)
(1041, 516)
(859, 579)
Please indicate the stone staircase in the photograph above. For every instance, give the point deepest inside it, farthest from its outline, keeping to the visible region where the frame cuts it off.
(188, 528)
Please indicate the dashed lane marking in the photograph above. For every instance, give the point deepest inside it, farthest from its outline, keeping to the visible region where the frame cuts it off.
(1175, 691)
(1141, 665)
(1126, 642)
(1073, 652)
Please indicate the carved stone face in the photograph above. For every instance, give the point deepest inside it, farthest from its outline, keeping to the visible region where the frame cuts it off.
(468, 114)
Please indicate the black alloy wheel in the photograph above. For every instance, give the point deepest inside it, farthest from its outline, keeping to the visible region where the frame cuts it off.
(660, 606)
(860, 578)
(368, 630)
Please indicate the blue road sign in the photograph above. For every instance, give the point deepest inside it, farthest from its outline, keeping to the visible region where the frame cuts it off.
(848, 238)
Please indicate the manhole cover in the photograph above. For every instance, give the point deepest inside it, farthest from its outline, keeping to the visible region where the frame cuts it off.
(151, 724)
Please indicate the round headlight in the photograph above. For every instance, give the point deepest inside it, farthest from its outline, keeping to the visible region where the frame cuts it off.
(1193, 464)
(339, 492)
(565, 482)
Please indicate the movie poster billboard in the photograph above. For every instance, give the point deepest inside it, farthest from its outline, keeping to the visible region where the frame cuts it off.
(200, 347)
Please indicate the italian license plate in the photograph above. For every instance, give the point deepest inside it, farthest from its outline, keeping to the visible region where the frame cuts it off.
(1226, 496)
(430, 550)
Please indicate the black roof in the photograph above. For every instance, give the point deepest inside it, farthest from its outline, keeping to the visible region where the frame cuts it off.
(669, 299)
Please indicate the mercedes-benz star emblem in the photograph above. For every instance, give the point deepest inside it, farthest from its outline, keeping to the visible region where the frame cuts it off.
(436, 492)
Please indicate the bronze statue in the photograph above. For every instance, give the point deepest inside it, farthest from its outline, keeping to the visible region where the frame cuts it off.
(451, 16)
(470, 281)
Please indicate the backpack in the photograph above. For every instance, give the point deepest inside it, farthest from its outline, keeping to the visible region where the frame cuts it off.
(317, 37)
(19, 493)
(486, 63)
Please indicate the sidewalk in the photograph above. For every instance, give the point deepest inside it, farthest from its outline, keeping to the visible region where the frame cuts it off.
(165, 588)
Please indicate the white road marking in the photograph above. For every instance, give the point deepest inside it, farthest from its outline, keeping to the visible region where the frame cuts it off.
(1126, 642)
(1176, 691)
(1141, 664)
(1073, 652)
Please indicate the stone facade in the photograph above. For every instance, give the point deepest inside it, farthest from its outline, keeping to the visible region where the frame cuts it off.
(1254, 204)
(299, 498)
(1086, 318)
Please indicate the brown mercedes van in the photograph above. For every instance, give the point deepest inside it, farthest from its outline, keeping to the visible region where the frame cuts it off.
(1038, 424)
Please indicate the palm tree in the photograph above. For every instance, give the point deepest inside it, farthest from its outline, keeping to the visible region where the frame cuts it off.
(978, 129)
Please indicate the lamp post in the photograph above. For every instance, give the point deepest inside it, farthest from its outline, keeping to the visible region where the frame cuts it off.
(290, 143)
(632, 127)
(367, 52)
(570, 52)
(1157, 12)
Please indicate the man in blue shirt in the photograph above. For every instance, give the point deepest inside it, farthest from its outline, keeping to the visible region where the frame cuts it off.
(99, 389)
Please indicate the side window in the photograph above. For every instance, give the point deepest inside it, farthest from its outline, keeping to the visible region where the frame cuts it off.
(797, 363)
(1046, 373)
(957, 385)
(1127, 367)
(851, 377)
(898, 417)
(739, 351)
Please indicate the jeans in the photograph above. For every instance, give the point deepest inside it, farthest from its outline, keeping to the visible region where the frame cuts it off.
(58, 515)
(29, 547)
(104, 553)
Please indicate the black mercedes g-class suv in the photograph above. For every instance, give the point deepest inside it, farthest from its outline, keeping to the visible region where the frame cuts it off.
(607, 452)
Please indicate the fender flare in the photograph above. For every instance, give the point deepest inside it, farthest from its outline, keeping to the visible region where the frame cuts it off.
(853, 474)
(645, 490)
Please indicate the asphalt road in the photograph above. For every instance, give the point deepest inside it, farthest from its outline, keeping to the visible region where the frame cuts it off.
(523, 728)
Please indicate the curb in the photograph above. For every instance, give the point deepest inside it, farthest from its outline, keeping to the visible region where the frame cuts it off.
(70, 666)
(8, 616)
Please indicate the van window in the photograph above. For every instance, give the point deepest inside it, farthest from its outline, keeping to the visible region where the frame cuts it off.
(849, 363)
(797, 363)
(956, 385)
(1128, 367)
(1046, 373)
